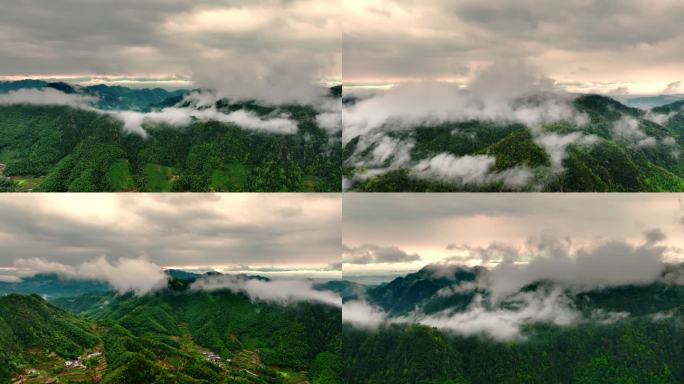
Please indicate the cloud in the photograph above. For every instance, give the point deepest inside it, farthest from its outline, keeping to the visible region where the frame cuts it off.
(9, 279)
(503, 323)
(479, 318)
(45, 96)
(627, 129)
(278, 291)
(659, 118)
(362, 315)
(470, 170)
(125, 275)
(290, 231)
(555, 145)
(134, 121)
(385, 40)
(494, 95)
(582, 267)
(371, 253)
(270, 50)
(672, 87)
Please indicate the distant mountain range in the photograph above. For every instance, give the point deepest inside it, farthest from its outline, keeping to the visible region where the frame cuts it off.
(648, 102)
(108, 97)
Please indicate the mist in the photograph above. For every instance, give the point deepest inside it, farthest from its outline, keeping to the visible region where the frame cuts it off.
(139, 276)
(504, 323)
(277, 291)
(178, 117)
(45, 96)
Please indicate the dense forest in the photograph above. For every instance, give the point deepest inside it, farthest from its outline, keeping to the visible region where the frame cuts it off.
(176, 335)
(631, 150)
(62, 148)
(640, 343)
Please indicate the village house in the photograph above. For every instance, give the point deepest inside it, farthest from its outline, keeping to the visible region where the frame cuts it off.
(71, 364)
(212, 357)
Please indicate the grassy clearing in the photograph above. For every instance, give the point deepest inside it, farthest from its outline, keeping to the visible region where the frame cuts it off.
(120, 176)
(157, 178)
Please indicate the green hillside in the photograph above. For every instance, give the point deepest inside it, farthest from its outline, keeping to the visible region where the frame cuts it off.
(33, 332)
(172, 336)
(611, 163)
(641, 342)
(47, 148)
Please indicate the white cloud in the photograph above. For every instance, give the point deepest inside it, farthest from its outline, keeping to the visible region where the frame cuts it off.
(494, 95)
(470, 170)
(9, 279)
(555, 145)
(279, 291)
(125, 275)
(362, 315)
(503, 323)
(45, 96)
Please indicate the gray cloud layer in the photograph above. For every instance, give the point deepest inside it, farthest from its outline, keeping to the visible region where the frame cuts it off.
(291, 231)
(274, 50)
(570, 40)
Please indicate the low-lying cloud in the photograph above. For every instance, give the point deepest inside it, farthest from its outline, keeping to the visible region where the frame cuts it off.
(277, 291)
(363, 315)
(578, 267)
(479, 318)
(504, 93)
(139, 276)
(45, 96)
(504, 323)
(134, 121)
(470, 170)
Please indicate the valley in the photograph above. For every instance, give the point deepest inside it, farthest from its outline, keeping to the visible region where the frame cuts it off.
(171, 336)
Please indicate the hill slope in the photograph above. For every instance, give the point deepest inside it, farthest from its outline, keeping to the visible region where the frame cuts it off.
(616, 148)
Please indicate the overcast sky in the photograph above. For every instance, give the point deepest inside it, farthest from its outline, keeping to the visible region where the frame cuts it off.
(217, 43)
(611, 46)
(403, 232)
(295, 233)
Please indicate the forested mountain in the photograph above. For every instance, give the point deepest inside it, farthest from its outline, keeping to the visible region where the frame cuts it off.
(176, 335)
(107, 97)
(619, 334)
(65, 148)
(51, 286)
(29, 324)
(602, 145)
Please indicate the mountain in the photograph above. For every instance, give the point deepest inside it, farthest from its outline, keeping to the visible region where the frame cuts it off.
(629, 333)
(421, 289)
(8, 86)
(107, 97)
(648, 102)
(58, 148)
(178, 335)
(626, 149)
(34, 333)
(131, 99)
(51, 286)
